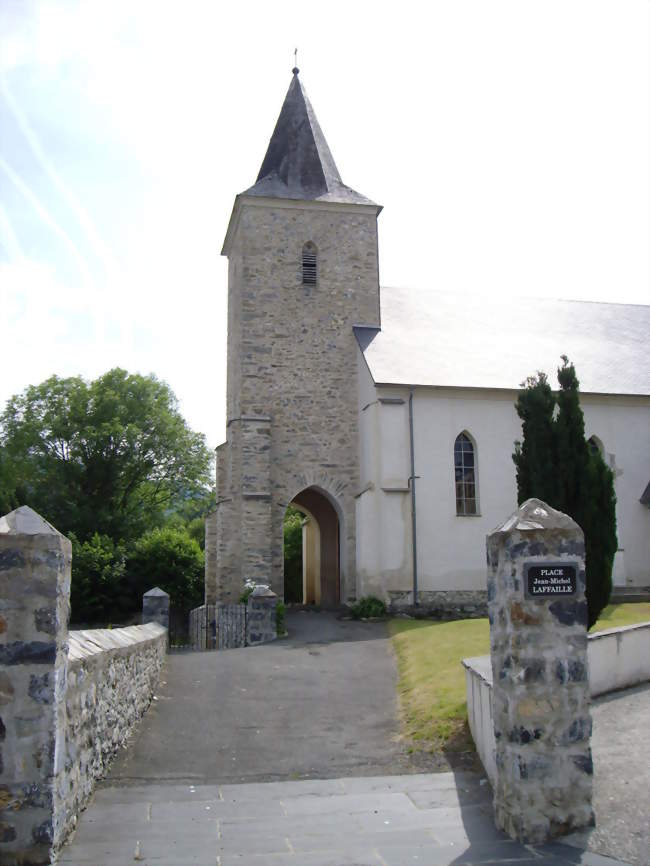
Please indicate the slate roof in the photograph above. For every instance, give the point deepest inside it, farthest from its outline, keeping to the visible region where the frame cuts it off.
(298, 162)
(645, 496)
(458, 340)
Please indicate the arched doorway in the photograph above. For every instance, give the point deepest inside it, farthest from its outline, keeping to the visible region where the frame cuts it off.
(320, 548)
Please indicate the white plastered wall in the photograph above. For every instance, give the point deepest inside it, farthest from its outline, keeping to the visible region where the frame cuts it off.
(622, 424)
(451, 548)
(384, 557)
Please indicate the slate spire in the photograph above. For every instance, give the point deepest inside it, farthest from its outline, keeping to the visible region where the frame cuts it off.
(298, 162)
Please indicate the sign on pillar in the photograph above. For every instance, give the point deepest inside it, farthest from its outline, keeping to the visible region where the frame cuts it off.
(538, 640)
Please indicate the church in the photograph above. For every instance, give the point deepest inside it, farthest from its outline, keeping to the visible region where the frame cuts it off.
(387, 416)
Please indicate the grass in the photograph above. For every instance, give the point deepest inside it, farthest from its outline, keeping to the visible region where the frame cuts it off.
(432, 679)
(616, 615)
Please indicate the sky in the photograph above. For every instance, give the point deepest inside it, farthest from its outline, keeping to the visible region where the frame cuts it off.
(506, 139)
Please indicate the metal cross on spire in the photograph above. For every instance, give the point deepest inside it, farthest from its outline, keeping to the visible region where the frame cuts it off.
(295, 69)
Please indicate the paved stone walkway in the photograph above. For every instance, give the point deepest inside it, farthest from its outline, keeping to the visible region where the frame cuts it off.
(428, 819)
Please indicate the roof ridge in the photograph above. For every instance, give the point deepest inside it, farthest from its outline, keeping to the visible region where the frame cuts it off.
(506, 297)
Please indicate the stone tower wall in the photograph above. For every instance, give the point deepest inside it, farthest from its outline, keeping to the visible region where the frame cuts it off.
(292, 390)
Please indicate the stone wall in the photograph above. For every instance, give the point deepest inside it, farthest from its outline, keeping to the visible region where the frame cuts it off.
(67, 702)
(441, 604)
(618, 658)
(112, 676)
(292, 391)
(478, 690)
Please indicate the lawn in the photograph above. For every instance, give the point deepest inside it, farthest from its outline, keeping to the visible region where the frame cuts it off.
(432, 679)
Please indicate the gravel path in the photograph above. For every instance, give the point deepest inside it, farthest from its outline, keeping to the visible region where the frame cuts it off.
(621, 749)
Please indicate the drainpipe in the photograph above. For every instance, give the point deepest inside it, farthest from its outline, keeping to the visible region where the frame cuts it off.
(413, 508)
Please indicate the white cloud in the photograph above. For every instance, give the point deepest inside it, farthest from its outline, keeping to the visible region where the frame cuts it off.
(508, 142)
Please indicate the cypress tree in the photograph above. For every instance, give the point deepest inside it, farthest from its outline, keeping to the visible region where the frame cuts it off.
(600, 535)
(534, 456)
(554, 463)
(571, 451)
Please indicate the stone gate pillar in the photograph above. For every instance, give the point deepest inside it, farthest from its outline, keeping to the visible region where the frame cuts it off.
(155, 607)
(34, 610)
(538, 639)
(260, 616)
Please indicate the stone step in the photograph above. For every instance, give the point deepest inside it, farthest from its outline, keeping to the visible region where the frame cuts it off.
(433, 819)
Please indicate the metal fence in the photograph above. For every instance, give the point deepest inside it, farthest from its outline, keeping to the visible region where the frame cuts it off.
(202, 628)
(231, 625)
(216, 626)
(178, 629)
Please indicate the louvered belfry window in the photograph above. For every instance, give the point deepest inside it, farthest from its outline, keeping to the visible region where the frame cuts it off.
(309, 266)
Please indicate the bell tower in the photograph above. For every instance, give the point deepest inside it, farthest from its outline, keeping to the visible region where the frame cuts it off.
(303, 271)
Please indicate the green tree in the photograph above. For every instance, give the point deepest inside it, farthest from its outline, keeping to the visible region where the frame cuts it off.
(196, 530)
(534, 456)
(170, 558)
(293, 520)
(555, 464)
(585, 490)
(112, 456)
(98, 584)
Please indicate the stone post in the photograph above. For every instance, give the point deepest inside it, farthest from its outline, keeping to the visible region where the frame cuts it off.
(155, 607)
(34, 611)
(260, 616)
(538, 639)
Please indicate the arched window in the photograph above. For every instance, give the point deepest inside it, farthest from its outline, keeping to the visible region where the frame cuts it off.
(465, 475)
(309, 267)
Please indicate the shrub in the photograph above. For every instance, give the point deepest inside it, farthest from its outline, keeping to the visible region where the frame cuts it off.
(171, 559)
(292, 530)
(367, 607)
(99, 590)
(280, 612)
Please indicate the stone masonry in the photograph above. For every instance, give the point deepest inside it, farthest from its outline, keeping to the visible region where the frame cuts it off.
(441, 604)
(542, 723)
(155, 607)
(292, 353)
(112, 677)
(34, 611)
(292, 413)
(67, 700)
(261, 616)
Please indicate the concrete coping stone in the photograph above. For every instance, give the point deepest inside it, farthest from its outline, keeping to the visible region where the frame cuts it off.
(622, 628)
(480, 665)
(262, 591)
(86, 643)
